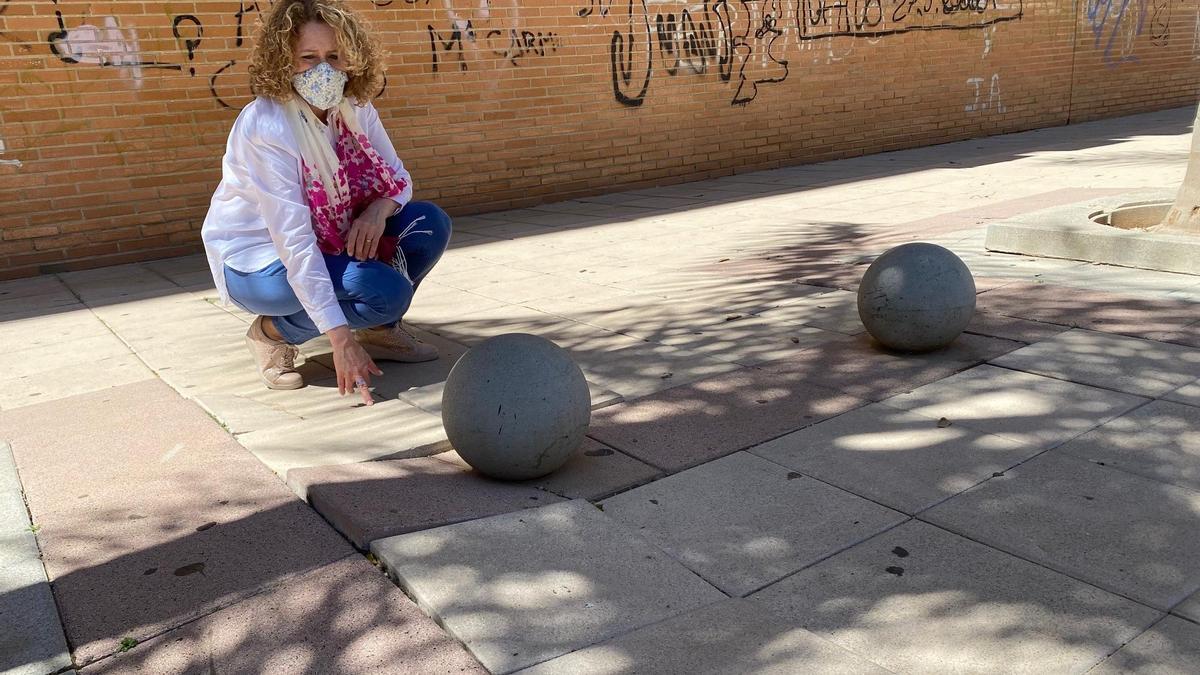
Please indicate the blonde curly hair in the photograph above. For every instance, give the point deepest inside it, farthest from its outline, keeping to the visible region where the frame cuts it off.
(272, 60)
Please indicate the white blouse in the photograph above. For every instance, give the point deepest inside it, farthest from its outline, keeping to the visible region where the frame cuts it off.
(259, 213)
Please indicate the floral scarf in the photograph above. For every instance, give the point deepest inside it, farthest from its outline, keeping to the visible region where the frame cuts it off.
(340, 181)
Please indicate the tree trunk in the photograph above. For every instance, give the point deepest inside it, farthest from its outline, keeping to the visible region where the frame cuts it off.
(1184, 216)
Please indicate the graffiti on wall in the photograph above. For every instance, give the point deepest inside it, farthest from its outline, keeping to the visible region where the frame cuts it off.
(746, 41)
(109, 46)
(1116, 26)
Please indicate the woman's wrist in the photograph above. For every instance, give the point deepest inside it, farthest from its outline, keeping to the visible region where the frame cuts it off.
(340, 336)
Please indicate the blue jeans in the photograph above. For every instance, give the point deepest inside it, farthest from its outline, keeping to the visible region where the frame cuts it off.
(371, 293)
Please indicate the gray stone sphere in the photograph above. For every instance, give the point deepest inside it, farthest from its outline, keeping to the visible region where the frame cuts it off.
(916, 297)
(516, 407)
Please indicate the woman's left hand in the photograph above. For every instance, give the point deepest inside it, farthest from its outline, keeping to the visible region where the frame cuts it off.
(363, 239)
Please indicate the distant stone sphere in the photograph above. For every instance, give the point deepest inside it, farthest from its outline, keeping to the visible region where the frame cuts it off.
(516, 407)
(916, 297)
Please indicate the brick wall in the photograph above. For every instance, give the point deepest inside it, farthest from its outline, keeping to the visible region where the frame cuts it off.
(113, 115)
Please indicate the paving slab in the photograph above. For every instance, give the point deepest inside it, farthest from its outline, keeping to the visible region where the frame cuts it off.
(526, 587)
(700, 421)
(1023, 407)
(1010, 328)
(357, 433)
(1123, 533)
(1103, 311)
(1190, 608)
(920, 599)
(31, 636)
(373, 500)
(66, 381)
(733, 636)
(899, 459)
(741, 522)
(1159, 441)
(47, 329)
(645, 368)
(345, 617)
(596, 471)
(429, 397)
(748, 340)
(143, 532)
(1171, 646)
(1127, 364)
(859, 366)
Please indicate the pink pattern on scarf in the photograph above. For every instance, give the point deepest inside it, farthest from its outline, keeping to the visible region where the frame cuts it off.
(365, 176)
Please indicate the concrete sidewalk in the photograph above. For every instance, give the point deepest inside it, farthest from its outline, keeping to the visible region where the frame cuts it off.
(763, 490)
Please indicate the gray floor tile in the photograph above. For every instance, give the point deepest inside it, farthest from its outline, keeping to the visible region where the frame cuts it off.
(1171, 646)
(901, 459)
(594, 472)
(734, 636)
(1190, 608)
(918, 599)
(522, 588)
(742, 522)
(1121, 532)
(1020, 406)
(1125, 364)
(1160, 441)
(31, 635)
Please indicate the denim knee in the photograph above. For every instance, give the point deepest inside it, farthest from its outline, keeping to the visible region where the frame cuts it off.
(430, 217)
(383, 293)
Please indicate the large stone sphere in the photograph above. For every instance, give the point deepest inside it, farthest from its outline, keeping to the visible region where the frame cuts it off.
(916, 297)
(516, 407)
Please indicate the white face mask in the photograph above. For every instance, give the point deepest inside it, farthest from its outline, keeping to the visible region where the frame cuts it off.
(322, 85)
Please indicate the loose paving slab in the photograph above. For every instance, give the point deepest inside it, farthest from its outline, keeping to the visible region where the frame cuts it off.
(387, 430)
(429, 397)
(373, 500)
(1160, 441)
(704, 420)
(1126, 534)
(741, 522)
(900, 459)
(525, 587)
(31, 636)
(733, 636)
(1023, 407)
(920, 599)
(345, 617)
(1131, 365)
(142, 532)
(1171, 646)
(596, 471)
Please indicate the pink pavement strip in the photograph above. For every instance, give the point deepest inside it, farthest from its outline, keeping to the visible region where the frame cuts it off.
(150, 516)
(345, 617)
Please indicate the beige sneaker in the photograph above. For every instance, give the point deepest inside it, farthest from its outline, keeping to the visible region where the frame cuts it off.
(276, 360)
(393, 343)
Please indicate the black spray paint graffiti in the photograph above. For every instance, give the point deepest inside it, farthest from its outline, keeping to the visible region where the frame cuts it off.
(191, 43)
(746, 40)
(872, 18)
(485, 32)
(1116, 24)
